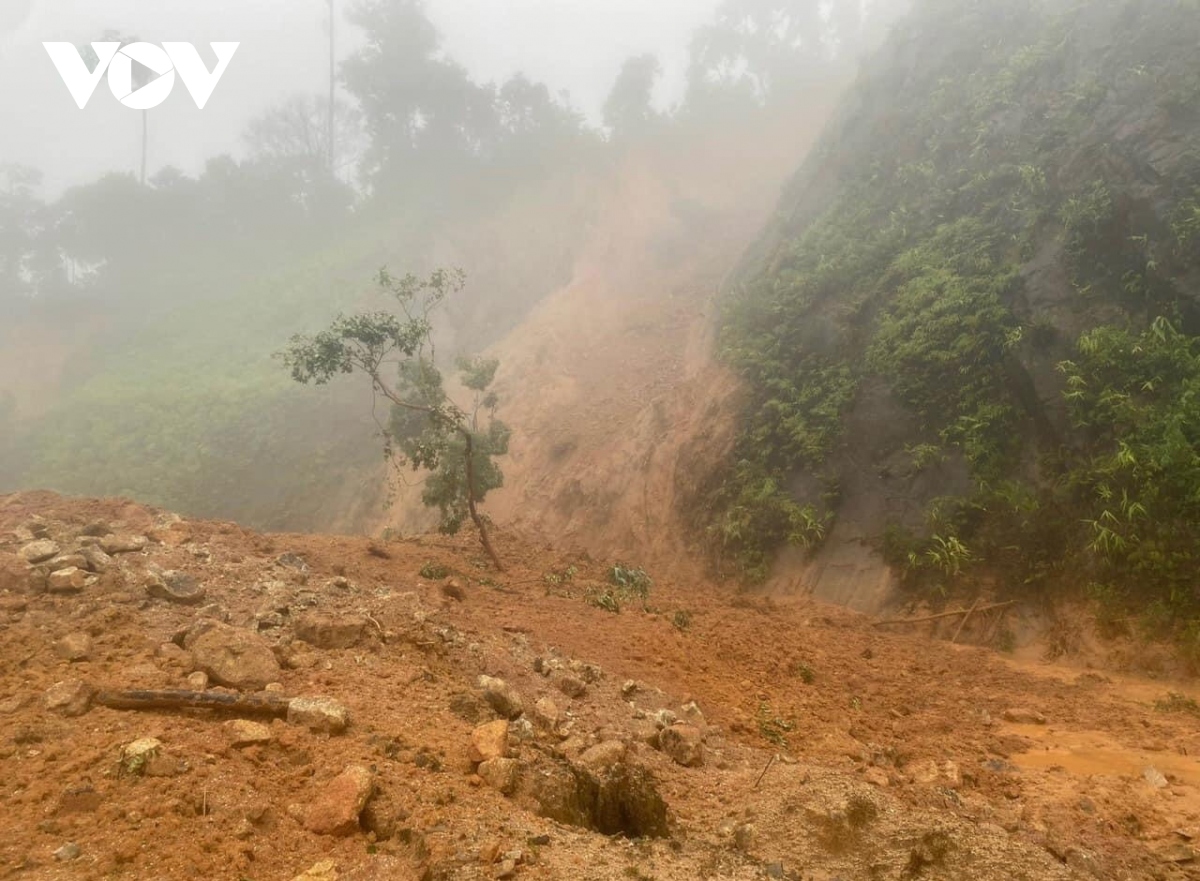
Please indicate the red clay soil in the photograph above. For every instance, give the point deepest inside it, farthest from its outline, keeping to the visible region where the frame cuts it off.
(832, 748)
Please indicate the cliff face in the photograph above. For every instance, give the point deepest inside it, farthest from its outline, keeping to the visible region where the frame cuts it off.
(968, 333)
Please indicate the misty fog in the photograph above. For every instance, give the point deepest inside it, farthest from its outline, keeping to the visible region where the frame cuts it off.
(575, 46)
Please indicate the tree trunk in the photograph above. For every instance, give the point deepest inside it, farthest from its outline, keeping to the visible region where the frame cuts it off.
(331, 134)
(145, 142)
(475, 517)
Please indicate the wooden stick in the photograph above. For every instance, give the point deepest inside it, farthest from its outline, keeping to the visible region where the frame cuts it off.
(765, 770)
(963, 622)
(944, 615)
(259, 704)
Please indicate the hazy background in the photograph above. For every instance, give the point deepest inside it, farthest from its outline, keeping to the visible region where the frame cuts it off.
(572, 45)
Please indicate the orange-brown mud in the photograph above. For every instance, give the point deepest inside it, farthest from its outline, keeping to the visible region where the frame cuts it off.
(886, 755)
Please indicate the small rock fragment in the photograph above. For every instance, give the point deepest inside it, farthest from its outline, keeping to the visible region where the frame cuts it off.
(66, 561)
(503, 698)
(39, 551)
(69, 851)
(453, 590)
(603, 756)
(318, 714)
(877, 777)
(69, 580)
(546, 714)
(69, 698)
(177, 587)
(572, 686)
(243, 732)
(336, 810)
(744, 836)
(198, 681)
(74, 647)
(97, 560)
(1155, 778)
(500, 774)
(1024, 716)
(331, 631)
(137, 755)
(326, 870)
(629, 689)
(489, 741)
(684, 744)
(123, 544)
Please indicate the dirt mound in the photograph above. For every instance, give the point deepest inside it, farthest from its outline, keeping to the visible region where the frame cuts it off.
(744, 739)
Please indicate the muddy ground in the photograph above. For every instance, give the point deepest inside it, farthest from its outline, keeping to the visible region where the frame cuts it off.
(817, 746)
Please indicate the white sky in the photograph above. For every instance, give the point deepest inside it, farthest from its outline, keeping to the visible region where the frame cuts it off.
(576, 45)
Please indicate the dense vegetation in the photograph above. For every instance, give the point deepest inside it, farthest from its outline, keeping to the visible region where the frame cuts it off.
(1001, 235)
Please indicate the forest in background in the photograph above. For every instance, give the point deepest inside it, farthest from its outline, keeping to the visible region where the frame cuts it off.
(141, 318)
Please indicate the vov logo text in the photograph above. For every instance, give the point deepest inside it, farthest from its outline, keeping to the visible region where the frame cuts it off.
(163, 61)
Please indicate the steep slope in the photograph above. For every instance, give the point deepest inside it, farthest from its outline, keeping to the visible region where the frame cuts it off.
(619, 411)
(968, 338)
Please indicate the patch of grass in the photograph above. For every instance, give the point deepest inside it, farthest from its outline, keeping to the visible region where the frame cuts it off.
(1177, 703)
(805, 672)
(773, 728)
(682, 620)
(435, 571)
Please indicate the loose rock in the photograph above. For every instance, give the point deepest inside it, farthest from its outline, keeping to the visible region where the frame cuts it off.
(331, 632)
(326, 870)
(97, 560)
(503, 698)
(1155, 778)
(546, 714)
(572, 686)
(243, 732)
(603, 756)
(74, 647)
(336, 810)
(501, 774)
(69, 698)
(318, 714)
(124, 544)
(67, 561)
(69, 580)
(177, 587)
(39, 551)
(1024, 716)
(69, 851)
(232, 656)
(684, 744)
(489, 741)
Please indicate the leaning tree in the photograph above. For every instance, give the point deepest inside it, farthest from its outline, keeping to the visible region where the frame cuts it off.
(456, 445)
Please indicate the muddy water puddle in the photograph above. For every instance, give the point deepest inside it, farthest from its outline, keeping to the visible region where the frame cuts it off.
(1092, 754)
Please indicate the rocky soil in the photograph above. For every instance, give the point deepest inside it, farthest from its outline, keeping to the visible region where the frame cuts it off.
(396, 710)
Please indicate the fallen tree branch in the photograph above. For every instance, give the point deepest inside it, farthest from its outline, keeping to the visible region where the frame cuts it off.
(963, 622)
(259, 704)
(939, 617)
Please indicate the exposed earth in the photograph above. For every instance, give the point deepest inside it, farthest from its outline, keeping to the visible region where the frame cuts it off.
(695, 733)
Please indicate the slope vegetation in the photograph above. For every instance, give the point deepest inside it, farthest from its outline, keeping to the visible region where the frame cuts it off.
(969, 339)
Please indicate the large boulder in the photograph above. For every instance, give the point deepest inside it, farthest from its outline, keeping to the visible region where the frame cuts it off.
(232, 656)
